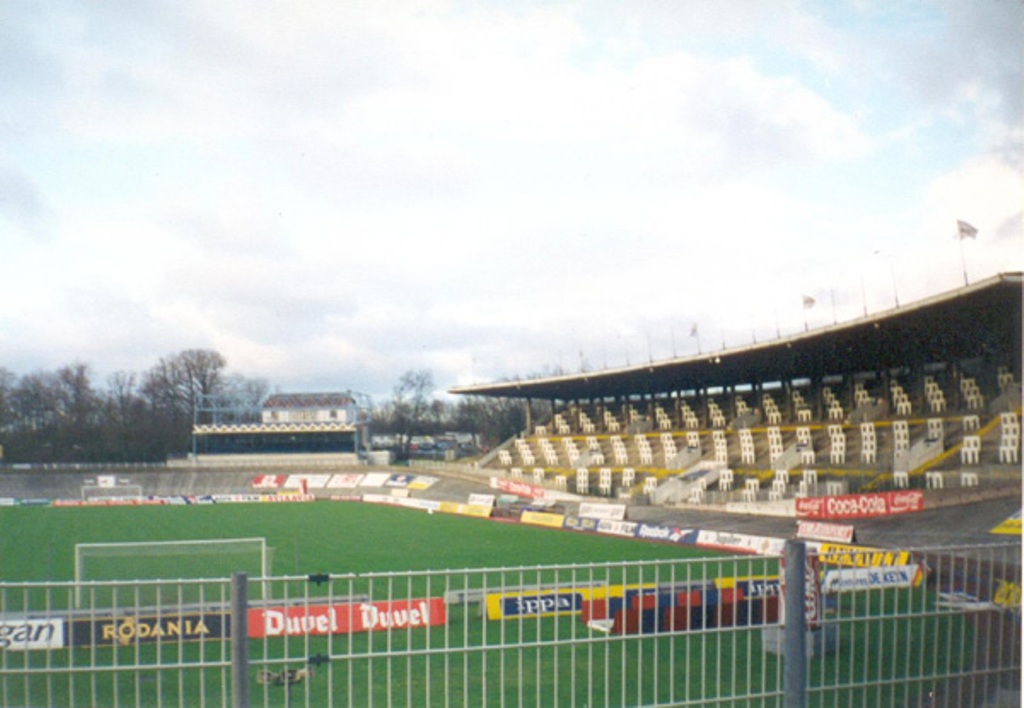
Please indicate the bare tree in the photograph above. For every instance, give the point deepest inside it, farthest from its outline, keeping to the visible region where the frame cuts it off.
(125, 419)
(7, 382)
(410, 405)
(33, 405)
(172, 388)
(200, 373)
(77, 409)
(491, 420)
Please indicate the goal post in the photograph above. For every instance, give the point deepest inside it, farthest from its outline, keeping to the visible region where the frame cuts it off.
(91, 492)
(207, 559)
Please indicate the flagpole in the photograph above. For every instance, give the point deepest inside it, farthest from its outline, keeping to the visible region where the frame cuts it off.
(895, 294)
(808, 304)
(963, 261)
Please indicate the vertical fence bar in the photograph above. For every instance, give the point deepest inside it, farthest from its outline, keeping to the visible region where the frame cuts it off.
(794, 676)
(239, 640)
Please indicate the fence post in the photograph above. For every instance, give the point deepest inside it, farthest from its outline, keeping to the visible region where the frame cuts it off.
(794, 640)
(240, 640)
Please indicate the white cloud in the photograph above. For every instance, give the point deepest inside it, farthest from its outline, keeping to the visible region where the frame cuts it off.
(332, 194)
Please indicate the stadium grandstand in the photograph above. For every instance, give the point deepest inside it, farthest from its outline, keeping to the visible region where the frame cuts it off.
(330, 426)
(262, 567)
(927, 395)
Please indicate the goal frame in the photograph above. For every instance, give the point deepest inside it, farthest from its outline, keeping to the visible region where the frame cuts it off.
(120, 491)
(126, 547)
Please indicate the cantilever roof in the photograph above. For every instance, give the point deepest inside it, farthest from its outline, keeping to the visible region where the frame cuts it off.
(982, 319)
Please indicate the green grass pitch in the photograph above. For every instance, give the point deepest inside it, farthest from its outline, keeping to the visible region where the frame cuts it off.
(324, 537)
(446, 667)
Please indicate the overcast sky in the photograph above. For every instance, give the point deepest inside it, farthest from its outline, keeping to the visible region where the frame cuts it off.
(333, 193)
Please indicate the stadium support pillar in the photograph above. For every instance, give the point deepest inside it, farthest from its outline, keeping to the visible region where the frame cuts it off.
(794, 677)
(239, 640)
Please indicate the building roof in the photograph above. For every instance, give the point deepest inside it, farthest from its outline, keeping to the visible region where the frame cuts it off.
(978, 320)
(291, 401)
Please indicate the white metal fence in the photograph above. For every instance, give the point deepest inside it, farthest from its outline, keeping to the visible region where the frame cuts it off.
(932, 626)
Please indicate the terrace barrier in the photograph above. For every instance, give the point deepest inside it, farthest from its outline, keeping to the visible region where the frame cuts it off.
(936, 626)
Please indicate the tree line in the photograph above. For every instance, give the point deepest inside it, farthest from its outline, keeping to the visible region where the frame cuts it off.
(63, 416)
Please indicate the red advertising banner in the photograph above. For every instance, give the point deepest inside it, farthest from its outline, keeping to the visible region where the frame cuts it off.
(822, 531)
(346, 618)
(518, 488)
(857, 506)
(812, 589)
(268, 481)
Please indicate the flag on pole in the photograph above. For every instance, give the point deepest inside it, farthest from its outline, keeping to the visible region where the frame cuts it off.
(966, 230)
(808, 302)
(693, 330)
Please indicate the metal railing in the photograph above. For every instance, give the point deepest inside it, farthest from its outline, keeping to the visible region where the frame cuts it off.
(929, 626)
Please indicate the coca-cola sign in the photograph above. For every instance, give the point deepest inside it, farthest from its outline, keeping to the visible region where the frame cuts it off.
(518, 488)
(810, 507)
(858, 506)
(905, 502)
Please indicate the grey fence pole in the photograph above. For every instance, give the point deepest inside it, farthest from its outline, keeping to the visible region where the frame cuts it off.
(794, 639)
(240, 640)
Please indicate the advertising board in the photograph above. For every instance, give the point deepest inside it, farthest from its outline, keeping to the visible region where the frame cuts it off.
(859, 506)
(576, 523)
(475, 510)
(126, 630)
(307, 481)
(896, 576)
(481, 499)
(543, 518)
(860, 556)
(670, 534)
(822, 531)
(26, 634)
(268, 481)
(812, 589)
(548, 602)
(374, 479)
(612, 512)
(399, 480)
(617, 528)
(149, 501)
(763, 586)
(520, 489)
(744, 543)
(1010, 526)
(345, 480)
(346, 618)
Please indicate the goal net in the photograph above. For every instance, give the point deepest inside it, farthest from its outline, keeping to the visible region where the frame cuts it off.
(176, 563)
(94, 492)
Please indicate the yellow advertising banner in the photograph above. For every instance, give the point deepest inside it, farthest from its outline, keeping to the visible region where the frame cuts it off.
(543, 518)
(861, 556)
(1010, 527)
(476, 510)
